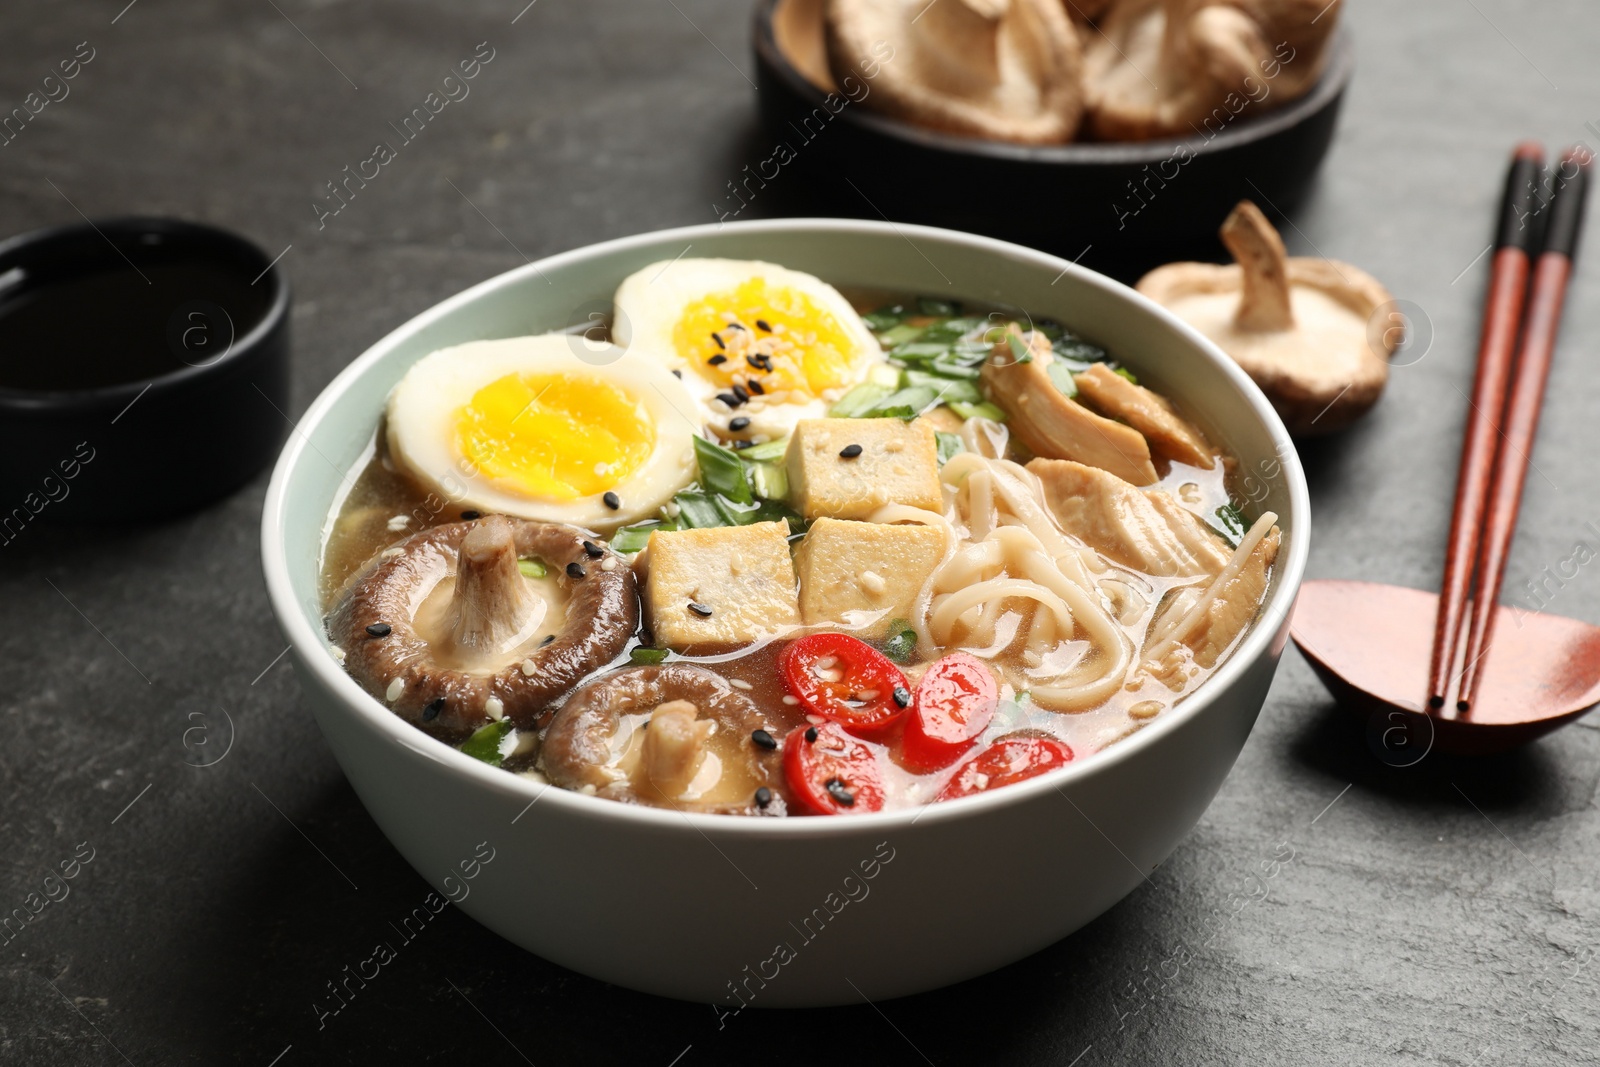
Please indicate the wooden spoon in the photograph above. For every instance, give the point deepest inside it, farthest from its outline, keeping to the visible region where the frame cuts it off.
(1370, 645)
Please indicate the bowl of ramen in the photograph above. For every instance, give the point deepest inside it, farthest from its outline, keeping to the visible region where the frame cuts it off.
(733, 585)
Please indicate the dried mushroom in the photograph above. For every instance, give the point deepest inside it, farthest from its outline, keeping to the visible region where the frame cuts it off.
(1301, 327)
(1165, 68)
(1006, 70)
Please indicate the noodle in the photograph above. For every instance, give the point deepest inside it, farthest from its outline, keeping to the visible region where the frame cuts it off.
(1012, 550)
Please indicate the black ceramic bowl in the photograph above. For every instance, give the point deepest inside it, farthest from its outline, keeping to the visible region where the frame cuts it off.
(1130, 204)
(144, 370)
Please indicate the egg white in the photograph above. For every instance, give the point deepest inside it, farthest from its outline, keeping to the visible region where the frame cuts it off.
(424, 407)
(649, 303)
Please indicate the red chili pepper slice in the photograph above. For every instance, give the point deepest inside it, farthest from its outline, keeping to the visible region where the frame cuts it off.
(831, 773)
(1006, 762)
(848, 681)
(953, 704)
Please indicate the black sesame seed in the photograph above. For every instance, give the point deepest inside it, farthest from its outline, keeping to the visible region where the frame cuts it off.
(738, 424)
(763, 797)
(717, 337)
(756, 387)
(838, 792)
(734, 326)
(432, 711)
(733, 400)
(676, 373)
(613, 501)
(902, 696)
(593, 550)
(850, 452)
(764, 739)
(379, 629)
(754, 361)
(470, 515)
(574, 571)
(547, 639)
(737, 445)
(717, 361)
(740, 392)
(811, 733)
(700, 610)
(761, 324)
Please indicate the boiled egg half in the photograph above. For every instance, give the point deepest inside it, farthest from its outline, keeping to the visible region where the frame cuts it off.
(557, 428)
(759, 346)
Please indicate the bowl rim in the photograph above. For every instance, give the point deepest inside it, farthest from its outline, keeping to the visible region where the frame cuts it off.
(1335, 77)
(197, 235)
(311, 645)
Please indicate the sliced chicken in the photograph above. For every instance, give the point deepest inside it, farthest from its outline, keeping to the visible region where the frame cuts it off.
(1234, 605)
(1145, 530)
(1149, 413)
(1205, 620)
(1053, 425)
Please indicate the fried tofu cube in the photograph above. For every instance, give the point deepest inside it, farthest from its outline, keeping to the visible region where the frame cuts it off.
(727, 585)
(857, 574)
(849, 468)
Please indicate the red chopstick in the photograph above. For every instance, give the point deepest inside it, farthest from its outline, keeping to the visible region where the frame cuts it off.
(1502, 317)
(1550, 277)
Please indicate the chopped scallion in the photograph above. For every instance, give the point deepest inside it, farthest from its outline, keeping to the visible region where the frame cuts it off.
(984, 410)
(488, 742)
(721, 472)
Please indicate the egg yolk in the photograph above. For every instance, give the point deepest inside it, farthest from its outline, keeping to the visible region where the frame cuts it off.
(779, 336)
(554, 436)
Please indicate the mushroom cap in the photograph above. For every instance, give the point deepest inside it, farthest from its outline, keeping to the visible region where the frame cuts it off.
(589, 745)
(1324, 368)
(1163, 68)
(1005, 70)
(433, 688)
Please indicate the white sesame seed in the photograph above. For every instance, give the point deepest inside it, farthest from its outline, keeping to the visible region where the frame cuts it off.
(740, 683)
(528, 668)
(825, 662)
(398, 523)
(1145, 709)
(396, 687)
(790, 700)
(873, 582)
(894, 445)
(495, 709)
(609, 563)
(338, 653)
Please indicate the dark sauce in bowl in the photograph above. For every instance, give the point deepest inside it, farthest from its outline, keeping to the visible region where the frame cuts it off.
(122, 321)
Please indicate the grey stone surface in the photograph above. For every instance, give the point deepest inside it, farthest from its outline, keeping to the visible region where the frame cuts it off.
(1328, 908)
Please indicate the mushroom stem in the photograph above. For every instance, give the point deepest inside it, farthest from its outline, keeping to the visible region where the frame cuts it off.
(1264, 303)
(491, 605)
(673, 746)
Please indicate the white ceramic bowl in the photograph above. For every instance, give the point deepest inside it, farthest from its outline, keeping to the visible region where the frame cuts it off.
(799, 911)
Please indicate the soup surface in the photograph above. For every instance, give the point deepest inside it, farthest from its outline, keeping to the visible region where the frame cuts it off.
(855, 553)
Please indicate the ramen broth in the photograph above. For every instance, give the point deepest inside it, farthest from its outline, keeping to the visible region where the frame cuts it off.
(383, 506)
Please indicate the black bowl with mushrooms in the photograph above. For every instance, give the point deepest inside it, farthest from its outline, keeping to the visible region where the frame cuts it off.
(1119, 206)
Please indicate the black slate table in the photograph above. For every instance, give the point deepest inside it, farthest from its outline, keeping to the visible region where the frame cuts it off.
(1329, 907)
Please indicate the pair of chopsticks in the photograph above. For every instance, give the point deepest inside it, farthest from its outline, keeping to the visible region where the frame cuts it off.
(1514, 353)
